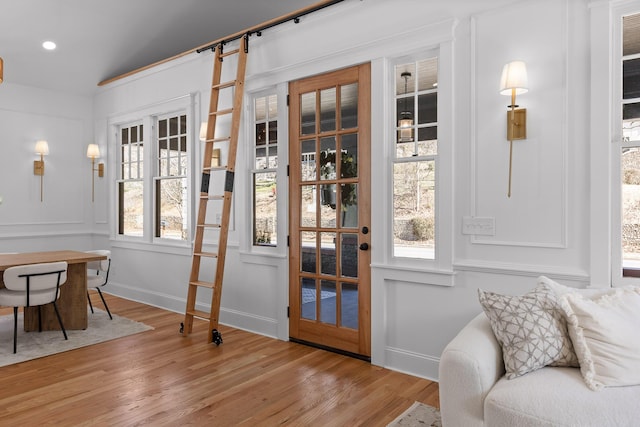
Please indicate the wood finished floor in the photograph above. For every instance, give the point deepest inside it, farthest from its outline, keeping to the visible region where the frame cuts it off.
(160, 378)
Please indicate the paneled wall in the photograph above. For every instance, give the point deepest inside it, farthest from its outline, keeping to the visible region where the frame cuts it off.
(543, 228)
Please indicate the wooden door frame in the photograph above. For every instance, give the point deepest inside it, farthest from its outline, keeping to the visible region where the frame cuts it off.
(361, 74)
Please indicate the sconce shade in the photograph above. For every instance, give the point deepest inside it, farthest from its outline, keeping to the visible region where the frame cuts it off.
(203, 131)
(1, 70)
(93, 151)
(514, 76)
(42, 147)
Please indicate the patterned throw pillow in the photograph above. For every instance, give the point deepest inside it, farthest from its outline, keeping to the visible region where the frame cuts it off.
(531, 330)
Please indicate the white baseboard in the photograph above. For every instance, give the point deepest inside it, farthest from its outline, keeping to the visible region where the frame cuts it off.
(416, 364)
(233, 318)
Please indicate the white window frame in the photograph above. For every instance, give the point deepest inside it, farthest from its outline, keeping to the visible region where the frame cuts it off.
(148, 116)
(252, 159)
(442, 262)
(624, 9)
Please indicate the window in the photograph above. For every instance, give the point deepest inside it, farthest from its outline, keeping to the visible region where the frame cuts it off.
(154, 200)
(630, 147)
(265, 165)
(131, 183)
(170, 211)
(414, 164)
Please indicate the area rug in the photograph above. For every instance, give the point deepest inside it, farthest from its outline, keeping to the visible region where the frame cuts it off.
(418, 414)
(32, 345)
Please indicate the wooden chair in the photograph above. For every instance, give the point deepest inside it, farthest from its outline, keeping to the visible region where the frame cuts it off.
(98, 276)
(33, 285)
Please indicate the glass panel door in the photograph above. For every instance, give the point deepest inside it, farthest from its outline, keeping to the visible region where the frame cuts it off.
(329, 214)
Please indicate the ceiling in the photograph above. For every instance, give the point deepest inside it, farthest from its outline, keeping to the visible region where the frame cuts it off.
(97, 40)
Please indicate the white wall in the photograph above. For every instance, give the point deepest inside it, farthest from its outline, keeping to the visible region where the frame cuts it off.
(65, 216)
(416, 309)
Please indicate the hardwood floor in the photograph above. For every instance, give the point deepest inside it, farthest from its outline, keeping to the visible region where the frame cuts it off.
(161, 378)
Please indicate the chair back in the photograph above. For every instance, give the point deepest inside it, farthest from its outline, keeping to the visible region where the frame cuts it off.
(102, 265)
(36, 277)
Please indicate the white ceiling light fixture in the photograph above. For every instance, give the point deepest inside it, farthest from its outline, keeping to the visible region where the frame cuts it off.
(49, 45)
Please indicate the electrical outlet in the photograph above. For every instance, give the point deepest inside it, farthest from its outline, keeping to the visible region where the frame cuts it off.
(478, 225)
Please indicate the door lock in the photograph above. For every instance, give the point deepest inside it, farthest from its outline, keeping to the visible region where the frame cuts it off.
(364, 246)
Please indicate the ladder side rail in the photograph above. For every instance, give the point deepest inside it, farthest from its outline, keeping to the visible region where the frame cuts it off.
(216, 297)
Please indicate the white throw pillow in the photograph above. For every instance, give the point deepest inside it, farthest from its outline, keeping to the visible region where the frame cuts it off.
(530, 328)
(605, 331)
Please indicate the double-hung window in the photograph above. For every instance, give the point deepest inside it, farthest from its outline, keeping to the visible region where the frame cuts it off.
(265, 164)
(154, 158)
(131, 193)
(171, 211)
(414, 158)
(630, 146)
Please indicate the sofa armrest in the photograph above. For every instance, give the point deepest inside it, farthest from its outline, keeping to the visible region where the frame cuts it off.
(469, 367)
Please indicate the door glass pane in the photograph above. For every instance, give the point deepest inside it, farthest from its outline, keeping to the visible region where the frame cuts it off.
(349, 305)
(308, 252)
(349, 205)
(349, 105)
(328, 302)
(308, 160)
(349, 255)
(349, 156)
(308, 113)
(328, 253)
(328, 206)
(328, 109)
(308, 206)
(308, 298)
(328, 158)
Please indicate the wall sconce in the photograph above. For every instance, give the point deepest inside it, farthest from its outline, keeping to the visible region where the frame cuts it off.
(514, 82)
(406, 120)
(93, 151)
(42, 148)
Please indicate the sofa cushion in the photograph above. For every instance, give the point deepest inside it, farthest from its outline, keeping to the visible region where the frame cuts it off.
(604, 331)
(559, 397)
(530, 328)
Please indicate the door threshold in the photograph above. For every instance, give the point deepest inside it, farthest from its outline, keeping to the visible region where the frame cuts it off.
(331, 349)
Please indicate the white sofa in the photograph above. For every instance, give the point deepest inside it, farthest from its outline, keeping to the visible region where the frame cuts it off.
(474, 392)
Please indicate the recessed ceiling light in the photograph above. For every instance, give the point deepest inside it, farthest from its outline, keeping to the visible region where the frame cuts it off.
(49, 45)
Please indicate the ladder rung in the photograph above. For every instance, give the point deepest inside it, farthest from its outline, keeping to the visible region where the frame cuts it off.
(221, 112)
(210, 225)
(231, 52)
(202, 284)
(214, 140)
(199, 313)
(224, 84)
(215, 168)
(206, 254)
(212, 196)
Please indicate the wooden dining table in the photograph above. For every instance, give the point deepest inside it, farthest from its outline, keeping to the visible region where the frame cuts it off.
(72, 302)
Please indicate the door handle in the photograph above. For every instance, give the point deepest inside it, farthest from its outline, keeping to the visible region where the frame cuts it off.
(364, 246)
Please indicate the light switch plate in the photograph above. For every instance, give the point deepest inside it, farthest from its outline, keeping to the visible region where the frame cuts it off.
(478, 225)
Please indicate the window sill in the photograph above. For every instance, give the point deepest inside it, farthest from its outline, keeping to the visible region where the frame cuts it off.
(181, 248)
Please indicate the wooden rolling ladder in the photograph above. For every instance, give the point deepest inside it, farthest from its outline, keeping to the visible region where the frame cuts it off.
(209, 169)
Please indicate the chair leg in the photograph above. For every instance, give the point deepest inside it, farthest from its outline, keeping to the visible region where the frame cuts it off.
(105, 303)
(89, 298)
(55, 306)
(15, 329)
